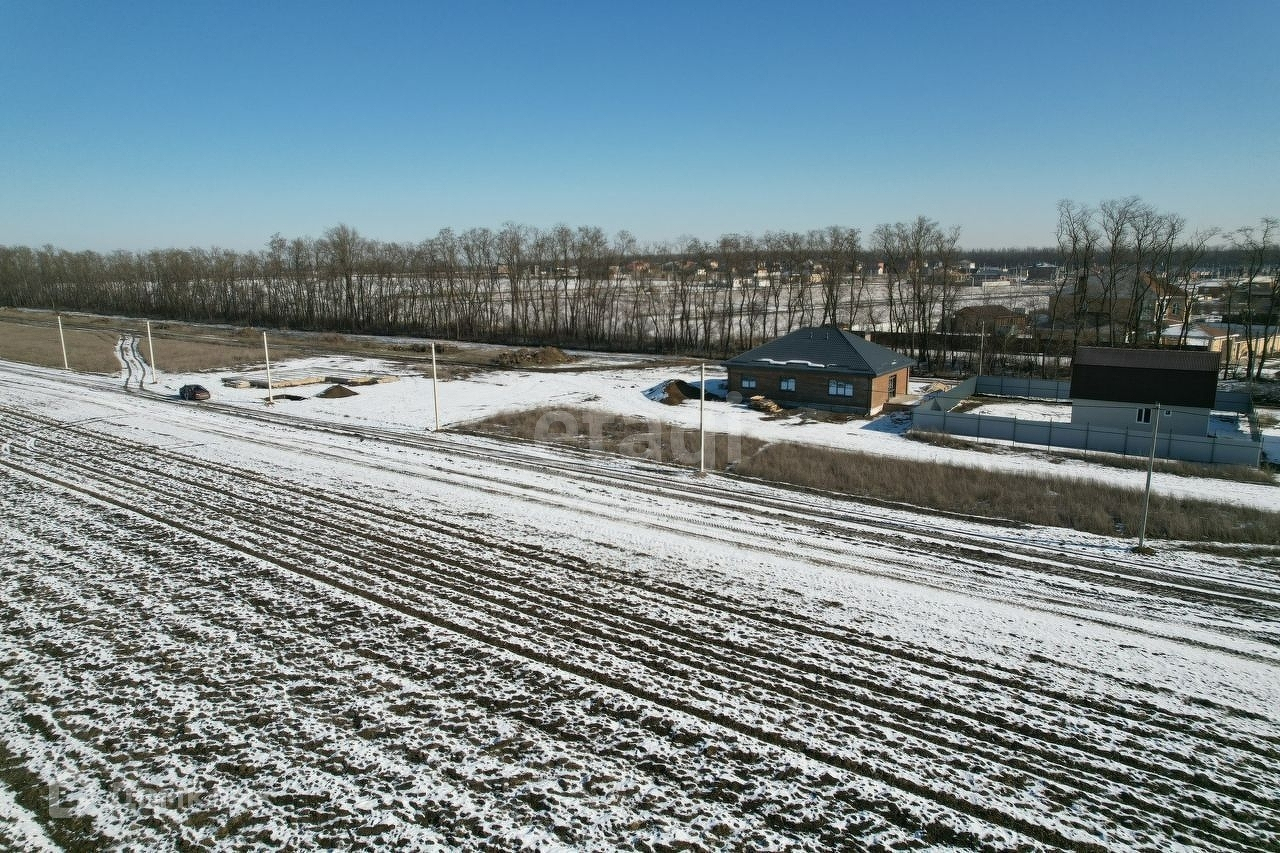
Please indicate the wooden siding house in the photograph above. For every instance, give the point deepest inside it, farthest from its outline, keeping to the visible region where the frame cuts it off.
(1121, 388)
(821, 367)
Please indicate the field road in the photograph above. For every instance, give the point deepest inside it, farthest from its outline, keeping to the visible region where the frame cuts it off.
(231, 630)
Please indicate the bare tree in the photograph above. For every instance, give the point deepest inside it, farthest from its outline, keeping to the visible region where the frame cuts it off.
(1182, 262)
(1260, 251)
(1115, 219)
(340, 252)
(1078, 239)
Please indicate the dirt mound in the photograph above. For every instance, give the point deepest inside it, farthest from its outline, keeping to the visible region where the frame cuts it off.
(539, 357)
(335, 391)
(673, 392)
(677, 391)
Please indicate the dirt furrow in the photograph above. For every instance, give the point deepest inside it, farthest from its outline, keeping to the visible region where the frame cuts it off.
(988, 717)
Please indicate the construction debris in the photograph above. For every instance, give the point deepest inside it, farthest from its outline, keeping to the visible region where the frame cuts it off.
(764, 404)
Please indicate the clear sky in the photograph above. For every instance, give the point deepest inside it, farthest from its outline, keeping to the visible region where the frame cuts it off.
(137, 125)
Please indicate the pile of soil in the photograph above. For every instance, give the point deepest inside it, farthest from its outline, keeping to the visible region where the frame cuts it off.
(677, 391)
(333, 392)
(540, 357)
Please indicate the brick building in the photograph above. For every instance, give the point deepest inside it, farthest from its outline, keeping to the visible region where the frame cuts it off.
(822, 367)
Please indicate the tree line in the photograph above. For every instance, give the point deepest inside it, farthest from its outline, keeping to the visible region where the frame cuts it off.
(1130, 269)
(580, 287)
(519, 284)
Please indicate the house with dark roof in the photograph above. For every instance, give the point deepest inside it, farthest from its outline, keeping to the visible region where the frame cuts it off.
(822, 367)
(1122, 388)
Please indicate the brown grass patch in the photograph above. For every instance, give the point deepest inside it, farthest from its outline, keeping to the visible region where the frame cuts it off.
(602, 432)
(1071, 502)
(87, 351)
(1040, 499)
(91, 344)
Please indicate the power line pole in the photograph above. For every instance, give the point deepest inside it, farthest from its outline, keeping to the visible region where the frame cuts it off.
(151, 347)
(271, 400)
(63, 341)
(1151, 464)
(435, 388)
(702, 418)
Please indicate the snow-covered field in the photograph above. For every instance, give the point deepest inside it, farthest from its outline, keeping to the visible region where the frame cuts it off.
(408, 405)
(320, 625)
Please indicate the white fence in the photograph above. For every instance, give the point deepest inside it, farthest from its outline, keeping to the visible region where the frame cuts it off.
(933, 415)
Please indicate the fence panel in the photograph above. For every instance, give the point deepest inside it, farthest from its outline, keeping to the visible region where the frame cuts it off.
(1222, 450)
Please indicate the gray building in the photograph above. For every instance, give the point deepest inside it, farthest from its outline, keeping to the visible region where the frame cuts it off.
(1122, 389)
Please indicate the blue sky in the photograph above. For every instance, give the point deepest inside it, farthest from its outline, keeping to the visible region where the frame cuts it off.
(137, 125)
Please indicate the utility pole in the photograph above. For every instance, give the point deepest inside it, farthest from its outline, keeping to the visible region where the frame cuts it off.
(271, 400)
(982, 340)
(1151, 464)
(63, 341)
(702, 418)
(435, 388)
(151, 347)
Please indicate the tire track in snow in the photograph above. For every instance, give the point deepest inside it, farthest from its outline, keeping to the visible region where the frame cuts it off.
(1013, 678)
(135, 483)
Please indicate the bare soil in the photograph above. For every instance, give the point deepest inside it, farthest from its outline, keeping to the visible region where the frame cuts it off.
(87, 351)
(31, 337)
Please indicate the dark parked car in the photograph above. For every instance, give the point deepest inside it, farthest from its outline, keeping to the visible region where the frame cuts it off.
(193, 392)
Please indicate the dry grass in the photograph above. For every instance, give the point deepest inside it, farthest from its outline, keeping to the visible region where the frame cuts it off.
(91, 345)
(179, 356)
(1267, 556)
(87, 351)
(602, 432)
(1075, 503)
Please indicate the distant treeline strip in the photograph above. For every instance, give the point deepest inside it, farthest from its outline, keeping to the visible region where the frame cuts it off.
(569, 287)
(520, 285)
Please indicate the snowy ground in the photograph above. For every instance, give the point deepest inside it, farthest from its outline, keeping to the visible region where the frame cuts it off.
(408, 405)
(233, 627)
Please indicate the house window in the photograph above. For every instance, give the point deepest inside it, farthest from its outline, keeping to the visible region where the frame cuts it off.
(748, 382)
(840, 389)
(1144, 416)
(787, 384)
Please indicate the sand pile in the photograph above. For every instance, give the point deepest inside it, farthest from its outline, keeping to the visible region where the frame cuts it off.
(333, 392)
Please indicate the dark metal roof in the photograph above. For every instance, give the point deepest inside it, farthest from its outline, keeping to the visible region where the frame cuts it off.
(824, 348)
(1147, 376)
(1148, 359)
